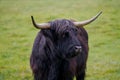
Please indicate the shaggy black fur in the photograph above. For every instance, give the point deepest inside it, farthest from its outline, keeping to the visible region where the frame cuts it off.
(54, 57)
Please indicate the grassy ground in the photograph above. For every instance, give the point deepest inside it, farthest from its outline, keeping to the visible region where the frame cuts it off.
(17, 34)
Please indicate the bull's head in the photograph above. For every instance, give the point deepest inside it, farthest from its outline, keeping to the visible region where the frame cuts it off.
(65, 34)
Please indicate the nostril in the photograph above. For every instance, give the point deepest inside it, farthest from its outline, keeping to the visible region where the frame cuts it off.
(78, 48)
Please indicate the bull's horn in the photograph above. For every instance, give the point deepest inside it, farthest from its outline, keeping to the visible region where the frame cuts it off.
(40, 26)
(82, 23)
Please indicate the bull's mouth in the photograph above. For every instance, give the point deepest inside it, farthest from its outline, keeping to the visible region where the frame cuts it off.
(71, 55)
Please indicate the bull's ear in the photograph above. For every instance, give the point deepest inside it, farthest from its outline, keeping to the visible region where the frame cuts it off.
(40, 26)
(83, 23)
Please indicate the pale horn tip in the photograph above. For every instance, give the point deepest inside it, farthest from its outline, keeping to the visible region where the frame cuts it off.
(82, 23)
(100, 13)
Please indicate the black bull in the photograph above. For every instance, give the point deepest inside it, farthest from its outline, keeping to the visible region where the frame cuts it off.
(60, 50)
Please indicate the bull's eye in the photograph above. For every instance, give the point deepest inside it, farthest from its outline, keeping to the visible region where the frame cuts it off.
(66, 34)
(75, 30)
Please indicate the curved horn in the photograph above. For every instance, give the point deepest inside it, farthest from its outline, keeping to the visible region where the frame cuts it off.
(40, 26)
(82, 23)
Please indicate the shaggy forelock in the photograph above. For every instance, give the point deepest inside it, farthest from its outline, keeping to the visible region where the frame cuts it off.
(61, 25)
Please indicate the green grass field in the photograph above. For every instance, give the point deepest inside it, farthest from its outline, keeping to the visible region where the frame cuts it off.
(17, 34)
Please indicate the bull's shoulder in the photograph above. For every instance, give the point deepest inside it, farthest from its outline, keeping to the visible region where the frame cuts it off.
(39, 42)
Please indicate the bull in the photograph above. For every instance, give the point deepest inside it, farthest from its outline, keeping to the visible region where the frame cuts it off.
(60, 50)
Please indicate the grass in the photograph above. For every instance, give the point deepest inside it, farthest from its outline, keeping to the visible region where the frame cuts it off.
(17, 34)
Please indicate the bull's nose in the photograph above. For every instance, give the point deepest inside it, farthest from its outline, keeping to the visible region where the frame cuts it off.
(78, 48)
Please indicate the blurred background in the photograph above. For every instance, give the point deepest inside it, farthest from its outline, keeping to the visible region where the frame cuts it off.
(17, 34)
